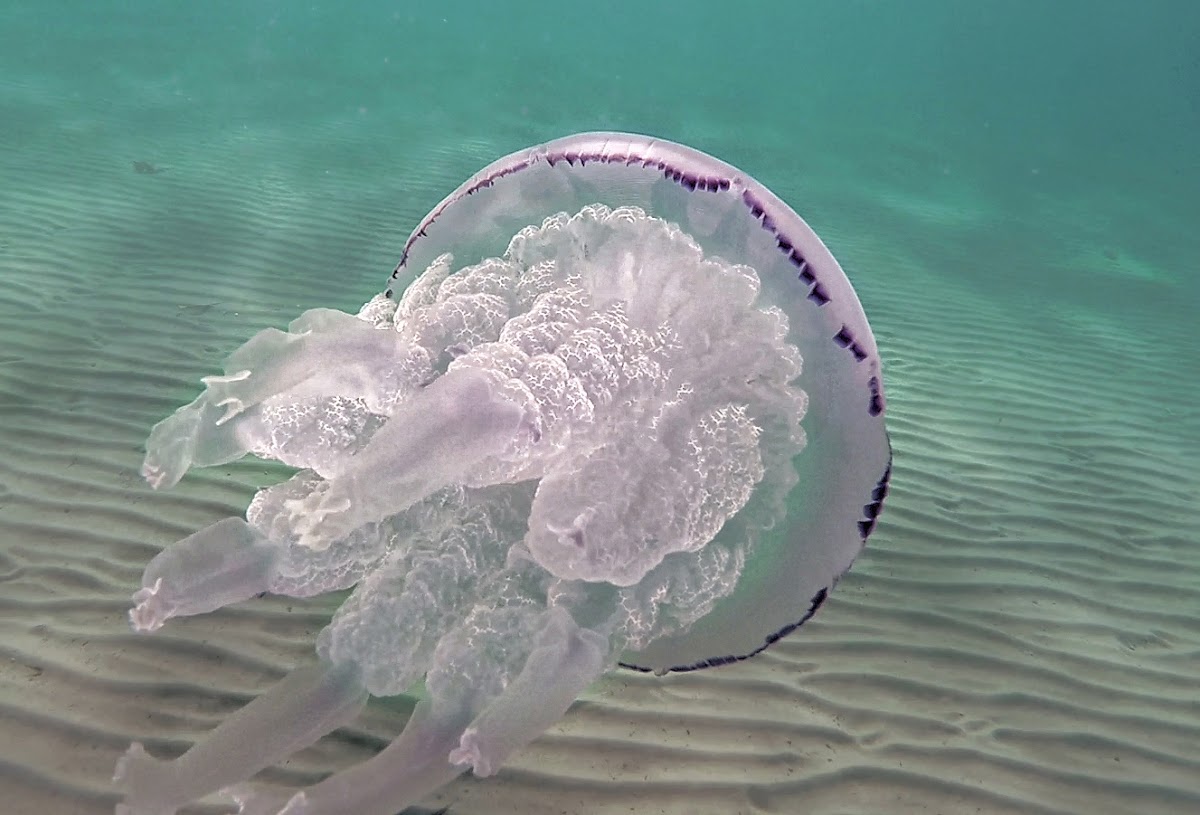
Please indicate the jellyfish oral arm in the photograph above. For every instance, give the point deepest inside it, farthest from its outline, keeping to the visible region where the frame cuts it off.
(322, 351)
(445, 737)
(565, 660)
(408, 769)
(436, 439)
(307, 704)
(224, 563)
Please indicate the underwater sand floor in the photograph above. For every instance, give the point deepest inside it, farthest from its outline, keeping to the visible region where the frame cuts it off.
(1020, 637)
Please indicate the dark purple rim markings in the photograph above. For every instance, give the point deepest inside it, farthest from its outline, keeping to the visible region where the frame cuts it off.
(871, 511)
(715, 662)
(640, 150)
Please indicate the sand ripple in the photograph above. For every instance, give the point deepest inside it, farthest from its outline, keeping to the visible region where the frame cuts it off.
(1021, 637)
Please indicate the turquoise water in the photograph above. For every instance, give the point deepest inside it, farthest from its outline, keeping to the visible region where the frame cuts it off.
(1080, 112)
(1012, 188)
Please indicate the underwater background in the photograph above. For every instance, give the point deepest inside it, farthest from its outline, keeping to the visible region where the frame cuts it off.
(1013, 188)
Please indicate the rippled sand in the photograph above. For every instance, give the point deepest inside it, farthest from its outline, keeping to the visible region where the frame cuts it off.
(1021, 636)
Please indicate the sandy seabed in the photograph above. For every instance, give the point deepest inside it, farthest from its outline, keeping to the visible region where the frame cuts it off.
(1022, 635)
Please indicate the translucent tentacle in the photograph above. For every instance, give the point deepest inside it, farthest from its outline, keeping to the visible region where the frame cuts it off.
(432, 441)
(224, 563)
(445, 737)
(305, 705)
(325, 353)
(411, 767)
(564, 661)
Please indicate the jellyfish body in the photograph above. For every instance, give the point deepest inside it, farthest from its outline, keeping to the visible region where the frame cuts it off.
(629, 411)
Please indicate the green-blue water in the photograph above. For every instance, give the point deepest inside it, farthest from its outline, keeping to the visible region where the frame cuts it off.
(1012, 187)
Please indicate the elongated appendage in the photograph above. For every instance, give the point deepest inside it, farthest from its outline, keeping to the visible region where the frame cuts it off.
(445, 737)
(565, 660)
(437, 438)
(305, 705)
(192, 436)
(324, 353)
(224, 563)
(411, 767)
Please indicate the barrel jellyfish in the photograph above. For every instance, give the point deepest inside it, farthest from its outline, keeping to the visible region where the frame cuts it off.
(627, 411)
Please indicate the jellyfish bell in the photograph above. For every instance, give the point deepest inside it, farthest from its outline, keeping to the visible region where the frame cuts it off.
(618, 404)
(842, 471)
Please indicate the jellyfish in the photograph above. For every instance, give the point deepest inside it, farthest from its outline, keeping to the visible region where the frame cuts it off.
(627, 412)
